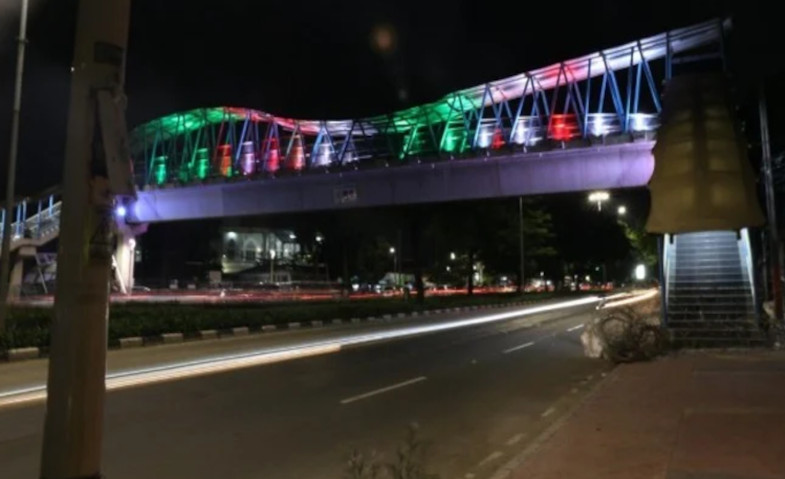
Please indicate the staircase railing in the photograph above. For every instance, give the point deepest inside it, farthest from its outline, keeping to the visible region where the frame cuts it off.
(745, 251)
(35, 220)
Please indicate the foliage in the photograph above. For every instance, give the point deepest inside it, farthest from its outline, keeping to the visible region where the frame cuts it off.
(28, 326)
(410, 461)
(644, 244)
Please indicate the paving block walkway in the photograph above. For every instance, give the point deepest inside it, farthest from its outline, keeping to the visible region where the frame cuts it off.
(692, 415)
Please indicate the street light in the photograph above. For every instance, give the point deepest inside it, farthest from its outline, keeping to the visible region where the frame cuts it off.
(396, 279)
(452, 256)
(598, 197)
(622, 210)
(272, 265)
(640, 272)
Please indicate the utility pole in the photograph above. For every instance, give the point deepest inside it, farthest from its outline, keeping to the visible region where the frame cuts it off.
(73, 428)
(5, 254)
(771, 206)
(521, 287)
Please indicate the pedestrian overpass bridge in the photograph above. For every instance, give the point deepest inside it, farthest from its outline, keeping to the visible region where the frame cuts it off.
(581, 124)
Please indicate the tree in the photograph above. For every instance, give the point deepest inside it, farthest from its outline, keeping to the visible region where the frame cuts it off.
(644, 245)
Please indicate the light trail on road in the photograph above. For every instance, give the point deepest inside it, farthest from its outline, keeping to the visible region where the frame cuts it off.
(217, 364)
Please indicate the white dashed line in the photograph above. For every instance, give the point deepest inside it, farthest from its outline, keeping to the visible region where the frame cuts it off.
(507, 351)
(575, 328)
(548, 412)
(515, 439)
(383, 390)
(491, 457)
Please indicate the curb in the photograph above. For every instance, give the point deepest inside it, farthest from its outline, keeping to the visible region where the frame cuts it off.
(132, 342)
(20, 354)
(170, 338)
(519, 460)
(208, 334)
(241, 331)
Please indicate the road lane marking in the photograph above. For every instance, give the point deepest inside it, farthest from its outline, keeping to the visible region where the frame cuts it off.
(548, 412)
(218, 364)
(383, 390)
(491, 457)
(515, 439)
(526, 345)
(574, 328)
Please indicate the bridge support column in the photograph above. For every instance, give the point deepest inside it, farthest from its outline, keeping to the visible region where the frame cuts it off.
(125, 258)
(15, 281)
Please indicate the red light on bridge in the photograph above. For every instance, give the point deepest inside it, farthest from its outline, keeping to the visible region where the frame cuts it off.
(273, 155)
(498, 140)
(224, 154)
(562, 127)
(296, 160)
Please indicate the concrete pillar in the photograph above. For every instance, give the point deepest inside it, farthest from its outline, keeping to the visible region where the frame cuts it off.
(17, 276)
(125, 260)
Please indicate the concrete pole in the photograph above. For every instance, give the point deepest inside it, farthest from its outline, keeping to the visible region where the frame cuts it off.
(771, 206)
(521, 284)
(73, 427)
(124, 257)
(5, 254)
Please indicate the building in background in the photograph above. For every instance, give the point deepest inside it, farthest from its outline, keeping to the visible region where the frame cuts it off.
(244, 248)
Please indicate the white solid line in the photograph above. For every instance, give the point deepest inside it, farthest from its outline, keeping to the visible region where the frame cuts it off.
(548, 412)
(574, 328)
(514, 440)
(526, 345)
(491, 457)
(383, 390)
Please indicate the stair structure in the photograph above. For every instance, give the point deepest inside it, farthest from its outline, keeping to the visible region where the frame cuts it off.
(710, 293)
(35, 221)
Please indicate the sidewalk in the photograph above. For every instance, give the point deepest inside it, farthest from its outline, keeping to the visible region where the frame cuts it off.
(697, 415)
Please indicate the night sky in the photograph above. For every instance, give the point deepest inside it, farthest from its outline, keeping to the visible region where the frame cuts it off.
(316, 59)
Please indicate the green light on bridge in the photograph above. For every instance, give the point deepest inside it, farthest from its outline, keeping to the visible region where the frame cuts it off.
(159, 170)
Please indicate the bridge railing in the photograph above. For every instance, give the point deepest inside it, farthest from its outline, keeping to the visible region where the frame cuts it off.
(34, 219)
(613, 92)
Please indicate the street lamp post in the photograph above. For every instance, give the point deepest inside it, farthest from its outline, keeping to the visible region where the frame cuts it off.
(599, 197)
(5, 254)
(272, 265)
(395, 264)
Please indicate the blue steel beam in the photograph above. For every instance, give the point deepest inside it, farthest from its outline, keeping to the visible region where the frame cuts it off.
(560, 95)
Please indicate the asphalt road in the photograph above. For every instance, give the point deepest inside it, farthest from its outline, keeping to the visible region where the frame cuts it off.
(478, 395)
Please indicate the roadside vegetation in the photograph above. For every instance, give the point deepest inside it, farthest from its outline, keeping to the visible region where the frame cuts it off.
(30, 326)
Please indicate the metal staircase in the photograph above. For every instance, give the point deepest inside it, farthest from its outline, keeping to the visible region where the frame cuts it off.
(710, 290)
(36, 221)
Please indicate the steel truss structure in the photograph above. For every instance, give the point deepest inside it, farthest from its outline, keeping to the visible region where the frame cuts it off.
(610, 92)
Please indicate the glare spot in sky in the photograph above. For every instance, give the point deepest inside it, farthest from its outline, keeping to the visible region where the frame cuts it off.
(383, 38)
